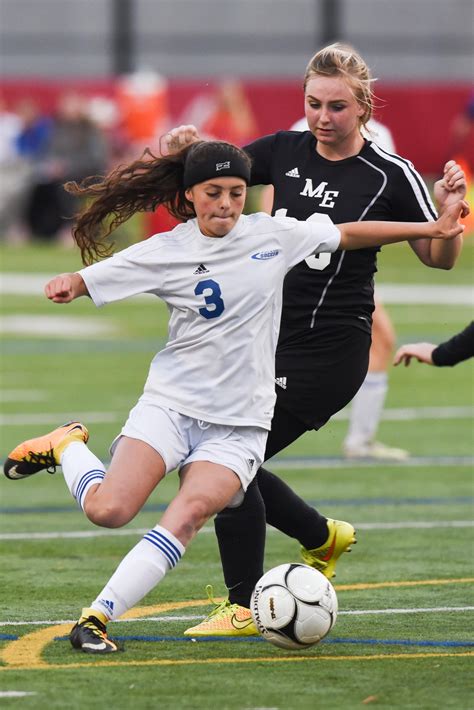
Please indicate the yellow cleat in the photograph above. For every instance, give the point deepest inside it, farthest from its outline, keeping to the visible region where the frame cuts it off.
(225, 619)
(43, 452)
(341, 537)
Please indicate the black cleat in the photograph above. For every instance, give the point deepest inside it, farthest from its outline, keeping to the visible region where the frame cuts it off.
(90, 636)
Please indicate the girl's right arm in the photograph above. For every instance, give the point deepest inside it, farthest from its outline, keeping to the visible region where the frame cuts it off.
(65, 288)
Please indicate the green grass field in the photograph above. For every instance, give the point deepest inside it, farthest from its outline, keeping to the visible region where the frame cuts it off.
(403, 638)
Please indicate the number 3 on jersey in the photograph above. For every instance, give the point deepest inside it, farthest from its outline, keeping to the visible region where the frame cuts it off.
(315, 261)
(214, 303)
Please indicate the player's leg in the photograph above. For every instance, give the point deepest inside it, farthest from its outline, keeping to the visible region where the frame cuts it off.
(367, 405)
(109, 499)
(316, 388)
(324, 391)
(205, 489)
(243, 528)
(241, 534)
(319, 388)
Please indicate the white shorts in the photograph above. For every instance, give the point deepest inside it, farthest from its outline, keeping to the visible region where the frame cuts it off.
(180, 439)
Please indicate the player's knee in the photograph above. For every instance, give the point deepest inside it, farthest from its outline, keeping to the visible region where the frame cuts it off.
(198, 510)
(111, 514)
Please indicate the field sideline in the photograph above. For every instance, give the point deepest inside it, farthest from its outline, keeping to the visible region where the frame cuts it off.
(403, 638)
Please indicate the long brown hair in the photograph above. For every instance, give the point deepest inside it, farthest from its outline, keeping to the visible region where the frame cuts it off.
(138, 187)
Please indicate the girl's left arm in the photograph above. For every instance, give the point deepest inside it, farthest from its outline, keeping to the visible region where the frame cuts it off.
(360, 235)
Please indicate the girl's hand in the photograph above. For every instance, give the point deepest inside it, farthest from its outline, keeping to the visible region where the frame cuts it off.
(65, 288)
(447, 225)
(420, 351)
(452, 187)
(177, 139)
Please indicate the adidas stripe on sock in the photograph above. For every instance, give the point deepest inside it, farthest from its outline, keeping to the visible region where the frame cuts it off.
(139, 572)
(81, 469)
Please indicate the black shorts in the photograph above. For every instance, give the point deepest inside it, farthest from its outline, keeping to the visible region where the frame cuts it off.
(320, 377)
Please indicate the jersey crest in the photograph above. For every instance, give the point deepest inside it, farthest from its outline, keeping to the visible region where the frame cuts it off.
(320, 193)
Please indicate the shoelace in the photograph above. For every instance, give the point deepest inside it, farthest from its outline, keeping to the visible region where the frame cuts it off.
(47, 459)
(218, 606)
(95, 626)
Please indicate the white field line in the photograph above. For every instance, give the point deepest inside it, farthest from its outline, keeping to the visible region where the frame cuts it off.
(86, 534)
(23, 395)
(15, 693)
(396, 414)
(28, 284)
(57, 326)
(57, 419)
(196, 617)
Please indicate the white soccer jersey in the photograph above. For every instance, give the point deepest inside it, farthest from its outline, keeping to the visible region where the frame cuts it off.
(224, 296)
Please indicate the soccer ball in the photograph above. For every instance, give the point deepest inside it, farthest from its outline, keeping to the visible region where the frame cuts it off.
(294, 606)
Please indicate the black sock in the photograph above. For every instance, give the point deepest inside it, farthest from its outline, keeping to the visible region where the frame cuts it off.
(287, 512)
(241, 537)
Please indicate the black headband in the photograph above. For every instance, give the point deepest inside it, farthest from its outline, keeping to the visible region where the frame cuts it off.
(218, 163)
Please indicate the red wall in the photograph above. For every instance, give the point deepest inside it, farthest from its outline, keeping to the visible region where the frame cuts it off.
(419, 115)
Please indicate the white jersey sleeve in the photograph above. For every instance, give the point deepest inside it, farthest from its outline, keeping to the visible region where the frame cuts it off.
(139, 269)
(303, 239)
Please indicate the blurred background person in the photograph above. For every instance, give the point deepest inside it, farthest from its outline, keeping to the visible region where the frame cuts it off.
(224, 113)
(13, 173)
(75, 149)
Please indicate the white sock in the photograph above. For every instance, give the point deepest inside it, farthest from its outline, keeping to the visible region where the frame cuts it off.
(82, 469)
(139, 572)
(366, 409)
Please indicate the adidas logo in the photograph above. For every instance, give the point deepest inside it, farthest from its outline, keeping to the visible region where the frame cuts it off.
(251, 463)
(201, 269)
(293, 173)
(108, 604)
(281, 382)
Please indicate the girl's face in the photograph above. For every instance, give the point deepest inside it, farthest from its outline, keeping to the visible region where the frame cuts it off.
(332, 111)
(218, 204)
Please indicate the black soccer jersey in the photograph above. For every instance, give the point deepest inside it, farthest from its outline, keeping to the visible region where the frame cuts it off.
(373, 185)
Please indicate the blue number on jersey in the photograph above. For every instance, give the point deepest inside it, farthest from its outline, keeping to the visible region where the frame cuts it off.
(212, 299)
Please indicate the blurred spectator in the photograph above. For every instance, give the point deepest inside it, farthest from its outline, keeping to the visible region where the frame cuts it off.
(461, 132)
(104, 112)
(13, 172)
(142, 99)
(35, 131)
(223, 114)
(76, 149)
(461, 145)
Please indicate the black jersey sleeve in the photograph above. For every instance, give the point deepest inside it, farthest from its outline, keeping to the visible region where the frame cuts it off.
(410, 199)
(261, 152)
(460, 347)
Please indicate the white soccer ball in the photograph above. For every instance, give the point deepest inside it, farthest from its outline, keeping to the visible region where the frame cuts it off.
(294, 606)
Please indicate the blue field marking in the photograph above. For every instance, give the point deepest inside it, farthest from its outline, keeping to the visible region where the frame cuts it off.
(259, 639)
(8, 637)
(355, 502)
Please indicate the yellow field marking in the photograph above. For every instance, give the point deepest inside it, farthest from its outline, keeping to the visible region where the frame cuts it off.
(26, 651)
(208, 661)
